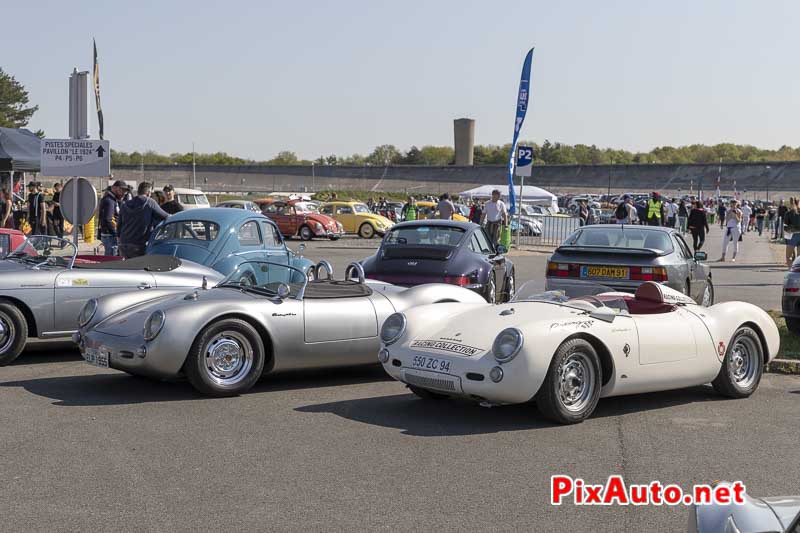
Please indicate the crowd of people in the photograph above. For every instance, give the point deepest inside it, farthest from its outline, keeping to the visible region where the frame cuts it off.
(125, 219)
(492, 214)
(736, 219)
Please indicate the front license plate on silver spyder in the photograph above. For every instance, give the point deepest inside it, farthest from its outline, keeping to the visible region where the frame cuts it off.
(96, 357)
(431, 363)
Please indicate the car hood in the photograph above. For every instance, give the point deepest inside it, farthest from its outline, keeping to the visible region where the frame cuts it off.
(477, 327)
(376, 218)
(325, 220)
(129, 321)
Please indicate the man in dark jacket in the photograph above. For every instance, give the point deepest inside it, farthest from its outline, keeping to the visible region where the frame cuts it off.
(137, 219)
(171, 205)
(37, 209)
(109, 216)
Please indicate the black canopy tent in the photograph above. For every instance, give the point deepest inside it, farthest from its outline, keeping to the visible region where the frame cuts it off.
(20, 151)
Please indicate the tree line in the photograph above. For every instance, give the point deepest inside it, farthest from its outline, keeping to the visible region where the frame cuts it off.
(547, 153)
(16, 112)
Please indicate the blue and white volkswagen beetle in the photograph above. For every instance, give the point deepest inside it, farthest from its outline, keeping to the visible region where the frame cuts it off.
(222, 239)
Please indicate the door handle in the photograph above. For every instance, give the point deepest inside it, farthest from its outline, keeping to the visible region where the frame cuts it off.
(144, 285)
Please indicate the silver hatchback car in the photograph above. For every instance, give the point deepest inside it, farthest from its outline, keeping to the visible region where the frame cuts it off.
(623, 257)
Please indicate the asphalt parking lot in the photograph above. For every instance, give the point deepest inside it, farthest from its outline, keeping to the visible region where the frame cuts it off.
(88, 449)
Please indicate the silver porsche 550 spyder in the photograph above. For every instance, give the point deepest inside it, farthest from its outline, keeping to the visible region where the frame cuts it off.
(263, 318)
(44, 283)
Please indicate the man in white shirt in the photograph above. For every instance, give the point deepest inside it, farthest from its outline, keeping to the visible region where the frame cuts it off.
(746, 212)
(672, 212)
(495, 215)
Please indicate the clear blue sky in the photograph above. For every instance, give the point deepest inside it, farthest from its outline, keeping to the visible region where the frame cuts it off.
(256, 77)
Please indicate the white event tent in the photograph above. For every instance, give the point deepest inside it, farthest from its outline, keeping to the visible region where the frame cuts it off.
(530, 194)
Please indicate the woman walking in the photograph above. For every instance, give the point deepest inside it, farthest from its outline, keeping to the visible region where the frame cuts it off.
(698, 225)
(733, 226)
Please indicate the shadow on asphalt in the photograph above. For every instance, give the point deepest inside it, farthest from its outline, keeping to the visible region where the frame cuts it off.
(440, 418)
(48, 352)
(123, 389)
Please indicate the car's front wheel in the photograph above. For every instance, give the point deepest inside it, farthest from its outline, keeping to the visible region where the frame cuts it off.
(571, 389)
(708, 294)
(226, 359)
(306, 234)
(511, 286)
(742, 366)
(13, 332)
(366, 231)
(490, 291)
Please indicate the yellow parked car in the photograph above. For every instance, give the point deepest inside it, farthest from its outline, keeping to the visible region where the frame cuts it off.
(357, 218)
(428, 210)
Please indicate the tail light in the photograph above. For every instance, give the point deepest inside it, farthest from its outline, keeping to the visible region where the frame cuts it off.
(792, 290)
(461, 281)
(648, 273)
(563, 270)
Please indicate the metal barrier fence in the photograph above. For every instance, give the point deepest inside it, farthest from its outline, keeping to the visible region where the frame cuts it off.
(554, 230)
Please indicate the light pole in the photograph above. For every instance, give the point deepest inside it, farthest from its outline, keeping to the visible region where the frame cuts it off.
(610, 170)
(194, 169)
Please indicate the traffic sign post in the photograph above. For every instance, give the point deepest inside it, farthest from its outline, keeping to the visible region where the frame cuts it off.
(75, 157)
(524, 164)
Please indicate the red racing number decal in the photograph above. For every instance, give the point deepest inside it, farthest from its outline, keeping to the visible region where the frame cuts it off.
(721, 348)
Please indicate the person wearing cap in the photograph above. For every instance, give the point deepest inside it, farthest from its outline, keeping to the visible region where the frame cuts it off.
(655, 210)
(37, 209)
(137, 220)
(109, 215)
(171, 204)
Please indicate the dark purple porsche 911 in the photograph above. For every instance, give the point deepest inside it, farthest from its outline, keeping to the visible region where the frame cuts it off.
(443, 251)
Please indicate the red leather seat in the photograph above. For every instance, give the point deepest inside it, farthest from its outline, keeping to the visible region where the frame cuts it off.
(648, 300)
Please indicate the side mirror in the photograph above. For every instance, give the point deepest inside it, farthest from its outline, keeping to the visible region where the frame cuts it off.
(283, 291)
(604, 313)
(700, 256)
(501, 249)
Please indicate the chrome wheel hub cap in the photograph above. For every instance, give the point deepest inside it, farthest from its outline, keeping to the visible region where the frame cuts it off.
(576, 382)
(743, 363)
(228, 358)
(6, 335)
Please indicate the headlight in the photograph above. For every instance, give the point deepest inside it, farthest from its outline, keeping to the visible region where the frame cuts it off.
(154, 324)
(507, 345)
(339, 225)
(393, 328)
(319, 226)
(87, 313)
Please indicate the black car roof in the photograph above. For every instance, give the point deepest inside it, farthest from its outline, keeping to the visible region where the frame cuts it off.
(635, 226)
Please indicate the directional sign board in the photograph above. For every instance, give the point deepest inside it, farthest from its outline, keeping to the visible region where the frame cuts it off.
(524, 161)
(75, 157)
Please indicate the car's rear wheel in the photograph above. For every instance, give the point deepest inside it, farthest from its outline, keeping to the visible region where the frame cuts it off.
(425, 394)
(490, 291)
(742, 366)
(793, 325)
(13, 332)
(226, 359)
(366, 231)
(306, 234)
(708, 294)
(571, 389)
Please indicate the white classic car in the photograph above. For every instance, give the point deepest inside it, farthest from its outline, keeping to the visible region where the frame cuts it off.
(566, 353)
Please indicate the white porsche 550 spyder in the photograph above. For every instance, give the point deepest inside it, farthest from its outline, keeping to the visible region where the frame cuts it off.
(566, 353)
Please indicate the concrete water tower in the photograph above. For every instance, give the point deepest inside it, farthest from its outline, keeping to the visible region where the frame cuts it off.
(464, 130)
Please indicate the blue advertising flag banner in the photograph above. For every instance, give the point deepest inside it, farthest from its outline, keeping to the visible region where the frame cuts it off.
(523, 97)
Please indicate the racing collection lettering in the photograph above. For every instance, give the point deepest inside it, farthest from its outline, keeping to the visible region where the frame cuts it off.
(445, 346)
